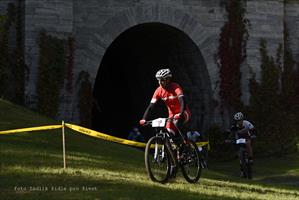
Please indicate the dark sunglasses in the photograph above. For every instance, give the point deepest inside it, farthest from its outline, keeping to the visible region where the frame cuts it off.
(161, 79)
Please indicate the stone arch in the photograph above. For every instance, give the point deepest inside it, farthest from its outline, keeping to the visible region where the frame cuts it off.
(130, 17)
(195, 78)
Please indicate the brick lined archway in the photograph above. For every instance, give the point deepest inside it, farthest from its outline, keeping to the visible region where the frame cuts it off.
(125, 79)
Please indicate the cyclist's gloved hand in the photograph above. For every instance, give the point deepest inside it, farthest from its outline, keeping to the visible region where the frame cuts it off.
(177, 116)
(142, 122)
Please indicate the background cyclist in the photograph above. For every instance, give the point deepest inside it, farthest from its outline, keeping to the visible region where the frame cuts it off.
(244, 129)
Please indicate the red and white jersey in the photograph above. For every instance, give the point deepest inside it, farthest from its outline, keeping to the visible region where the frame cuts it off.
(170, 96)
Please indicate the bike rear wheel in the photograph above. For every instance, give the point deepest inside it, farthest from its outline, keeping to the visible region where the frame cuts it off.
(157, 160)
(190, 162)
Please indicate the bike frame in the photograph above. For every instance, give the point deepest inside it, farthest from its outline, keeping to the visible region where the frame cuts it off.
(165, 135)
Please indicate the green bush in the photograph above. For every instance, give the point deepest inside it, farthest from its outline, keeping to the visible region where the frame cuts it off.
(270, 107)
(85, 98)
(51, 73)
(219, 150)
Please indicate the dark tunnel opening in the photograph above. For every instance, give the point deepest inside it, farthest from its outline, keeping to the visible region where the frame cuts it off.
(125, 80)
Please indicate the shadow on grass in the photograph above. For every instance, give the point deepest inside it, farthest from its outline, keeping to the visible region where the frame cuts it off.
(83, 152)
(283, 180)
(63, 186)
(278, 172)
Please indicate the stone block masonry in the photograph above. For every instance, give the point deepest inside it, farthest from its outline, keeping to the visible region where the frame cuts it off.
(96, 24)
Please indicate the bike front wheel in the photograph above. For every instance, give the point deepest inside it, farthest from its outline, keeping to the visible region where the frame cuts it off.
(157, 159)
(190, 162)
(245, 165)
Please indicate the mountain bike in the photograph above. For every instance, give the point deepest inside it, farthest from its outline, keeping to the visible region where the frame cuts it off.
(163, 156)
(245, 165)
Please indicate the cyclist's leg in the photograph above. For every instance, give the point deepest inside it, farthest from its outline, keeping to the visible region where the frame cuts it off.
(171, 127)
(183, 124)
(172, 132)
(249, 150)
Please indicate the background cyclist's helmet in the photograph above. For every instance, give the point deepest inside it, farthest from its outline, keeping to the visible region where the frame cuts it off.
(163, 73)
(238, 116)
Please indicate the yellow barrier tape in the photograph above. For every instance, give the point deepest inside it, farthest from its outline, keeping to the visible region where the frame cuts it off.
(39, 128)
(200, 144)
(96, 134)
(86, 131)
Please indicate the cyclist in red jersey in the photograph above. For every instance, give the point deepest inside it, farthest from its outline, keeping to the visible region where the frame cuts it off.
(172, 95)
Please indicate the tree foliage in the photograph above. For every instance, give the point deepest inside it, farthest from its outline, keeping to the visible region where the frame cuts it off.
(70, 63)
(232, 52)
(269, 103)
(85, 98)
(4, 55)
(51, 73)
(12, 64)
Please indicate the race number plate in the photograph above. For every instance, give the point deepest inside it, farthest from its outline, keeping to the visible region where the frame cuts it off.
(160, 122)
(241, 141)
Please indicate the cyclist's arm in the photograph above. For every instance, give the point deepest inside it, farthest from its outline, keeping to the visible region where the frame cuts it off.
(148, 110)
(182, 104)
(248, 129)
(243, 132)
(230, 133)
(182, 101)
(252, 131)
(154, 99)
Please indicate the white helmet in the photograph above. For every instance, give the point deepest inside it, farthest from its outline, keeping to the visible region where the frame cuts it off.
(163, 73)
(238, 116)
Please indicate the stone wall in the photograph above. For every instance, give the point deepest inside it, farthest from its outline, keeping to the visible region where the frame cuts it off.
(56, 18)
(292, 21)
(266, 19)
(95, 24)
(3, 6)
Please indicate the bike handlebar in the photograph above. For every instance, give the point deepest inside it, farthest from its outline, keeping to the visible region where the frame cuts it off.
(233, 141)
(149, 122)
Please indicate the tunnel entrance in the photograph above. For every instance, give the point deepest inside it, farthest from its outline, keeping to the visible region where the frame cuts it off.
(125, 80)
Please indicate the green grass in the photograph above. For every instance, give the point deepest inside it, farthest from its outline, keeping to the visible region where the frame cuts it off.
(32, 168)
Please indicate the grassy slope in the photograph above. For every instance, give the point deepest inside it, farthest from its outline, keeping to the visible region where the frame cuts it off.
(32, 163)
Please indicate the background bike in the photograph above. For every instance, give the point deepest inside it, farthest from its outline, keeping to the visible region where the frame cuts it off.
(245, 165)
(203, 146)
(163, 156)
